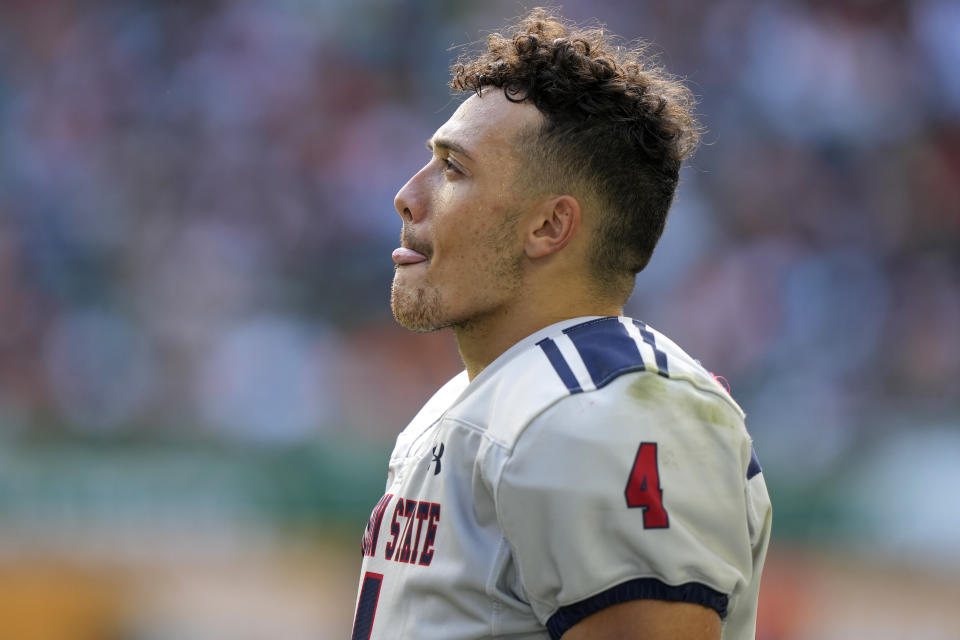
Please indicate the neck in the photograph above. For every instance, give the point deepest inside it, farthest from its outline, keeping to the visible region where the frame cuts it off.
(482, 340)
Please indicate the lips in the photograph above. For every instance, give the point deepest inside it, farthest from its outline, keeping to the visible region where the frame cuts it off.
(404, 256)
(411, 249)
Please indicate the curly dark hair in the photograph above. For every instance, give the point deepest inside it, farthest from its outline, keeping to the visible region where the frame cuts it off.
(617, 127)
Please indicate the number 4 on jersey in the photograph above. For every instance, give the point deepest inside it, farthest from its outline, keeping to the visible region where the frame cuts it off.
(643, 488)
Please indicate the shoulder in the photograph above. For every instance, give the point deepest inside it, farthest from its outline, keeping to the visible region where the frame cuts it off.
(610, 365)
(632, 483)
(633, 390)
(591, 355)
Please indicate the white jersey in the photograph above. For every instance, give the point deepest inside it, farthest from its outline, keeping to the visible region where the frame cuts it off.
(592, 463)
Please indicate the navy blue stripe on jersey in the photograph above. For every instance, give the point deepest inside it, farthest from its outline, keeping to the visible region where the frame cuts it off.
(560, 365)
(367, 606)
(606, 349)
(660, 356)
(641, 588)
(754, 467)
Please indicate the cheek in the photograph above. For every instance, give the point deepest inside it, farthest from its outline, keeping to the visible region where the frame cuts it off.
(443, 198)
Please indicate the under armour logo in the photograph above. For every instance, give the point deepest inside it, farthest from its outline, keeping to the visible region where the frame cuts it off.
(437, 454)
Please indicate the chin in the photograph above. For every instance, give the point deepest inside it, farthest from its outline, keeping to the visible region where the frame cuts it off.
(418, 310)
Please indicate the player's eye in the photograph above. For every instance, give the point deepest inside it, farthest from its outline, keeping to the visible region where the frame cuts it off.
(449, 166)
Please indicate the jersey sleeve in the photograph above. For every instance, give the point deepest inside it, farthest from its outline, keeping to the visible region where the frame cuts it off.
(633, 491)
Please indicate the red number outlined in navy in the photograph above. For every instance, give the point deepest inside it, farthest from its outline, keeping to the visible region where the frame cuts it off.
(643, 488)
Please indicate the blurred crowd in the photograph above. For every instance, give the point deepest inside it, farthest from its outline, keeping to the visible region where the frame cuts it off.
(196, 213)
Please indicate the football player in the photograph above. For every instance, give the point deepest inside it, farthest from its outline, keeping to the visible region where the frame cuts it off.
(583, 477)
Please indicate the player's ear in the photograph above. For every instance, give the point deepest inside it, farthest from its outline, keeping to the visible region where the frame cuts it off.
(553, 227)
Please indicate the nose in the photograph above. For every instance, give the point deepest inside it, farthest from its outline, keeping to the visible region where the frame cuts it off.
(409, 201)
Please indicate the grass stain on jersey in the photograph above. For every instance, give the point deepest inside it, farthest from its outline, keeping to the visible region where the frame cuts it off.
(653, 388)
(647, 387)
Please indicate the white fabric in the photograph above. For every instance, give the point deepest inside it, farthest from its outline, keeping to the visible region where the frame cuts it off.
(531, 493)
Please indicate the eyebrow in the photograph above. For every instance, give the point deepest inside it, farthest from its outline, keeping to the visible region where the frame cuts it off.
(450, 145)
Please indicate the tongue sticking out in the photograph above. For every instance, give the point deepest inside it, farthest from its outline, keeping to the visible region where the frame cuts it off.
(402, 256)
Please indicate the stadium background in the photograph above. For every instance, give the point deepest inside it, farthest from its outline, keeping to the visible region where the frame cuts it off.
(200, 378)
